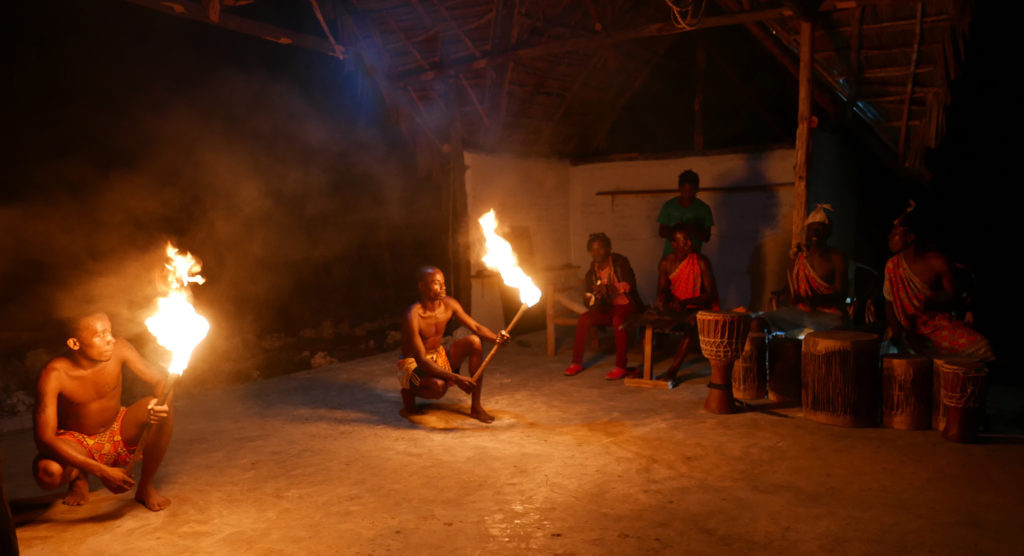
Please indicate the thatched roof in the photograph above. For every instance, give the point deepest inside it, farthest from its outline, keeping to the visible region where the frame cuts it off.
(551, 77)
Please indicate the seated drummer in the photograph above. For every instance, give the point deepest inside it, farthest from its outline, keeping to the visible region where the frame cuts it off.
(817, 283)
(685, 285)
(611, 298)
(921, 296)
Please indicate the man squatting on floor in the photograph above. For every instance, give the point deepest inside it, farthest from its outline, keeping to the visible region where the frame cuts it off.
(82, 429)
(425, 370)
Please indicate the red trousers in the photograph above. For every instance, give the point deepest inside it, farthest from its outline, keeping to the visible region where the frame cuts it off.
(615, 317)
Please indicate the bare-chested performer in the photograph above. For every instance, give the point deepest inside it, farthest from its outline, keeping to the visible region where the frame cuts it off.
(82, 429)
(817, 282)
(921, 296)
(425, 370)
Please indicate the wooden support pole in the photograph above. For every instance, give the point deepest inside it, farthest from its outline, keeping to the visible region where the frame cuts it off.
(803, 130)
(910, 85)
(459, 276)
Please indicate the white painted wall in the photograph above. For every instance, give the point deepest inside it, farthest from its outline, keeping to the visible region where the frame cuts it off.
(751, 232)
(548, 208)
(530, 197)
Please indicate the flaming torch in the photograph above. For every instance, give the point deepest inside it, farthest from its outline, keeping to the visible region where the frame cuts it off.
(499, 256)
(176, 325)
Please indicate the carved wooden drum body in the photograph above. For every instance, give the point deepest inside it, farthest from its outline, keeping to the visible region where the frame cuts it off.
(750, 372)
(784, 362)
(722, 337)
(906, 391)
(841, 378)
(962, 390)
(722, 334)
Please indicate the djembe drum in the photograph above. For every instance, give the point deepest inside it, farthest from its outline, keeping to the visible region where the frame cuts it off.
(963, 383)
(750, 372)
(722, 335)
(906, 391)
(784, 369)
(841, 379)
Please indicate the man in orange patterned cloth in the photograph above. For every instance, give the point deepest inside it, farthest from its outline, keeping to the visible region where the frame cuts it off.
(817, 282)
(685, 285)
(921, 296)
(82, 429)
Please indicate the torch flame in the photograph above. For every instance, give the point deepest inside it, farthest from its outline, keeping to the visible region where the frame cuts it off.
(176, 324)
(499, 256)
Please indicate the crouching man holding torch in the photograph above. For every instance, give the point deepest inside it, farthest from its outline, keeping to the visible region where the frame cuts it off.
(82, 429)
(425, 370)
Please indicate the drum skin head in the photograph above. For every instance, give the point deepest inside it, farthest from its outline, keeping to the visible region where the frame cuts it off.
(959, 363)
(839, 340)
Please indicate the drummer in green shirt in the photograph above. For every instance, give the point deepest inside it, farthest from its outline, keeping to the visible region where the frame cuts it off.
(688, 210)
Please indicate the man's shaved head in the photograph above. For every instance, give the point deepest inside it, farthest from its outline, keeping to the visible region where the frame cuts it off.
(75, 325)
(424, 273)
(430, 282)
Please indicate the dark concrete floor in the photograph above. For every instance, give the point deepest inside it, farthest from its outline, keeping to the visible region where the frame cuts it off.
(321, 463)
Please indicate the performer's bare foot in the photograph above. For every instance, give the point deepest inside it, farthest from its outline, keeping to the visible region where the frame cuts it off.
(78, 491)
(408, 414)
(408, 403)
(151, 499)
(479, 414)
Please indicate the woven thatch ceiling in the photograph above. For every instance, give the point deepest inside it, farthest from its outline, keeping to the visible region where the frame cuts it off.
(552, 77)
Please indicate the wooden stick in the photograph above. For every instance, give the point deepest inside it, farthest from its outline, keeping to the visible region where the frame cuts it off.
(161, 400)
(727, 189)
(494, 350)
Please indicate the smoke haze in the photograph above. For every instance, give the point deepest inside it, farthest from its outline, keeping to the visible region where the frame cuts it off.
(293, 190)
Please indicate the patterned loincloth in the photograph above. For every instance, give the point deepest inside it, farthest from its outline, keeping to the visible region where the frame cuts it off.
(106, 446)
(409, 374)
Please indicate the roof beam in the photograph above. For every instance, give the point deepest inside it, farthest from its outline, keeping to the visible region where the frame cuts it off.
(339, 50)
(591, 42)
(196, 12)
(458, 31)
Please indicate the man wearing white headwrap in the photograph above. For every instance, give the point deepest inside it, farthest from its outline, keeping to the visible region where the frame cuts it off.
(817, 280)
